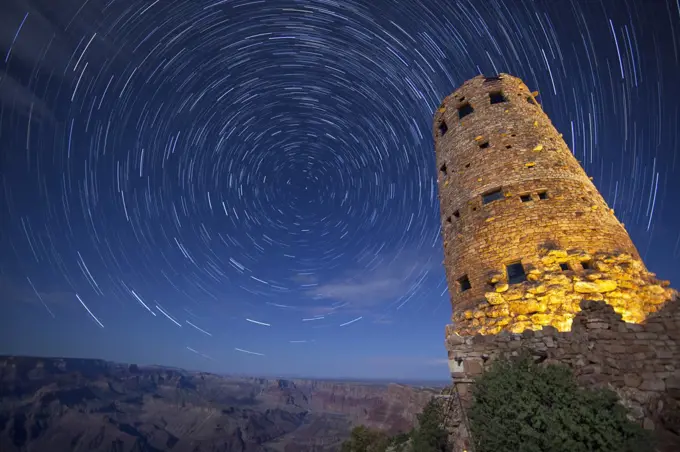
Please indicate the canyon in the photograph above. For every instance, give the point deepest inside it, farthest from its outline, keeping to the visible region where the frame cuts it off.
(61, 404)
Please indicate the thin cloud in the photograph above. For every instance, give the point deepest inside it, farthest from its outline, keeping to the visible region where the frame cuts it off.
(48, 35)
(18, 291)
(390, 281)
(406, 360)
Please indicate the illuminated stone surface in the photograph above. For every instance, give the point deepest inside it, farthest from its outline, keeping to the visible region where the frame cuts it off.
(552, 296)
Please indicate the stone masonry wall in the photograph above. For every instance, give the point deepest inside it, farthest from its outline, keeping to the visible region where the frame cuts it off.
(641, 362)
(556, 282)
(509, 187)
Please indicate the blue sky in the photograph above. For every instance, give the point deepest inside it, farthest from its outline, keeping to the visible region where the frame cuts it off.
(250, 188)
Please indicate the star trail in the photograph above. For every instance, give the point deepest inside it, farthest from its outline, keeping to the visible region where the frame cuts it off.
(249, 186)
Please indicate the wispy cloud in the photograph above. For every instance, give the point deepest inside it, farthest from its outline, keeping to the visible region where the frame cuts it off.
(406, 360)
(13, 291)
(389, 280)
(365, 291)
(35, 34)
(305, 279)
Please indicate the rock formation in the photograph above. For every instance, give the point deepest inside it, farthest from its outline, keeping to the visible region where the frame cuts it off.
(92, 405)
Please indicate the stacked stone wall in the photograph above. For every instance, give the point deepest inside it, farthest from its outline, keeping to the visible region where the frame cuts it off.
(556, 282)
(641, 362)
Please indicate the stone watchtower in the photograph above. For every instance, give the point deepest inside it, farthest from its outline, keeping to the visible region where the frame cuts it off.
(535, 259)
(527, 235)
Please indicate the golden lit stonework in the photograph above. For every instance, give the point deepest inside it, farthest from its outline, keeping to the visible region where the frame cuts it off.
(555, 285)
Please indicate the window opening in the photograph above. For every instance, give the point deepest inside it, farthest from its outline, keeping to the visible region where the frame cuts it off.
(497, 97)
(465, 110)
(587, 265)
(464, 283)
(508, 146)
(564, 266)
(525, 198)
(456, 214)
(543, 194)
(492, 79)
(443, 128)
(444, 170)
(492, 196)
(484, 145)
(515, 273)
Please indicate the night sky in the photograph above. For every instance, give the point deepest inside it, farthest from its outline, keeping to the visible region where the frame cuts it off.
(249, 187)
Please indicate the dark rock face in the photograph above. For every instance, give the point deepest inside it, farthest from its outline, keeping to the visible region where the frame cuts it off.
(55, 404)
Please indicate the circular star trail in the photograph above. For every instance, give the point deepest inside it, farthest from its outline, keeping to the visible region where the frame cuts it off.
(265, 169)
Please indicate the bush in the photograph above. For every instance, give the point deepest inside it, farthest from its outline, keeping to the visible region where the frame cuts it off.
(430, 436)
(363, 439)
(427, 437)
(519, 406)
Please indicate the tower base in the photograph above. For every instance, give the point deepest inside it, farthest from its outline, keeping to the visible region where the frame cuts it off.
(640, 362)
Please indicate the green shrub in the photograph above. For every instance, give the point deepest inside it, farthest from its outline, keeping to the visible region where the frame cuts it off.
(363, 439)
(430, 436)
(519, 406)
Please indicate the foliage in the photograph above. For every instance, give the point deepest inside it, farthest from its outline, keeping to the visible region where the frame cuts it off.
(364, 439)
(429, 436)
(520, 406)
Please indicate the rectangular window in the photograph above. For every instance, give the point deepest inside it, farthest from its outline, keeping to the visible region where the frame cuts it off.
(492, 79)
(543, 194)
(497, 97)
(443, 128)
(492, 196)
(484, 145)
(525, 198)
(464, 110)
(464, 283)
(516, 273)
(587, 265)
(443, 170)
(564, 266)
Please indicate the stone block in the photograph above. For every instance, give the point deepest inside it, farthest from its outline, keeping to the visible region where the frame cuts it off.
(646, 336)
(673, 382)
(654, 327)
(473, 367)
(632, 380)
(653, 385)
(597, 325)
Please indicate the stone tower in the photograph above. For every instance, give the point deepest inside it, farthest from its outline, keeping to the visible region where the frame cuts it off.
(535, 259)
(526, 233)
